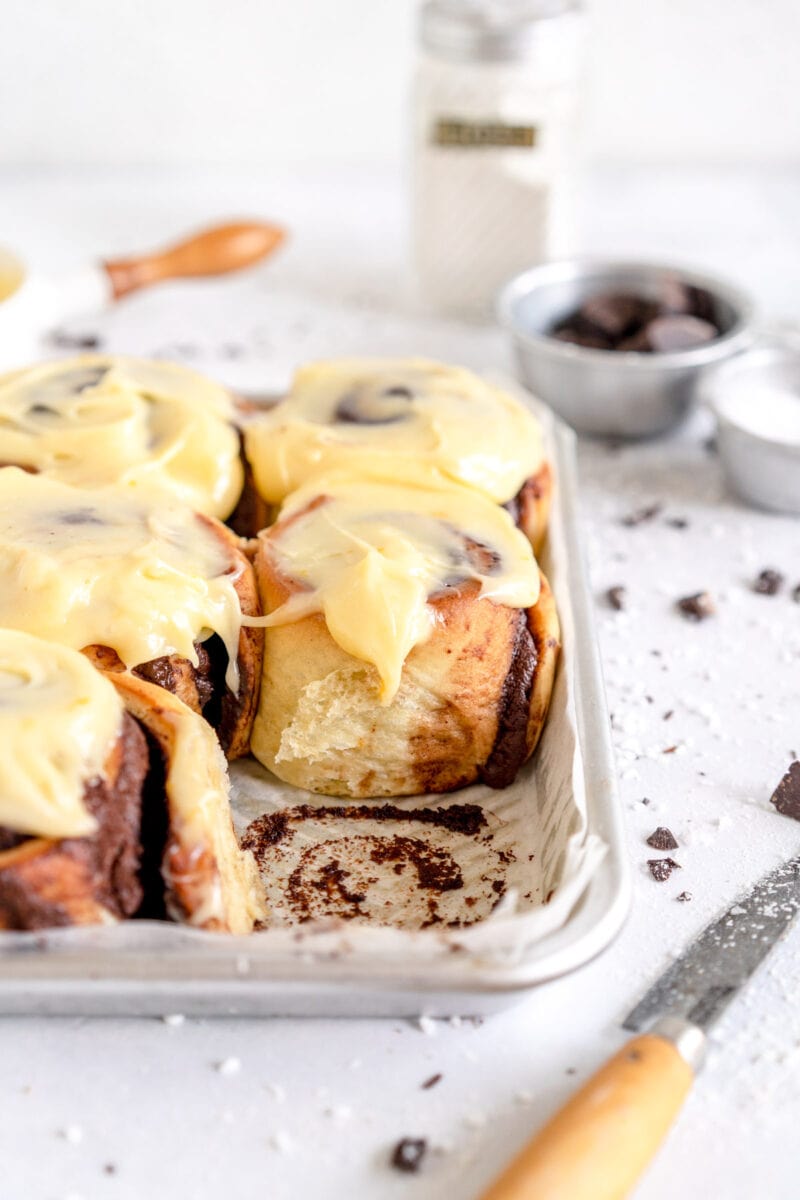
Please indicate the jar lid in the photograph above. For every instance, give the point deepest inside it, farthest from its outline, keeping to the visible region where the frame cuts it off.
(486, 30)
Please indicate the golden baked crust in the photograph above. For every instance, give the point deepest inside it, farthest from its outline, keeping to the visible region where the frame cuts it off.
(531, 506)
(203, 688)
(208, 881)
(320, 724)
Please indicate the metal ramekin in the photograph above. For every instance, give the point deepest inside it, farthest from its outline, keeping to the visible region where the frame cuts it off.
(608, 392)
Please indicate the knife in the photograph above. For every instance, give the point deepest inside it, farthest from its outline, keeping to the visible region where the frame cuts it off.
(600, 1142)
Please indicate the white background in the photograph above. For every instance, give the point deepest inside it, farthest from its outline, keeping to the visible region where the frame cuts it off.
(247, 82)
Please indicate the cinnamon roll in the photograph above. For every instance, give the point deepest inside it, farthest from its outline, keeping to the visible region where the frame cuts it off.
(113, 801)
(388, 413)
(411, 640)
(101, 420)
(203, 878)
(71, 777)
(137, 584)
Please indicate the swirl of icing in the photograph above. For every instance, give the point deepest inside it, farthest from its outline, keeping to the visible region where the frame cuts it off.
(59, 720)
(114, 568)
(99, 420)
(343, 413)
(369, 554)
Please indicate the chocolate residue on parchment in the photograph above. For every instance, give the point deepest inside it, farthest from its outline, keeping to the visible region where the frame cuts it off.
(271, 828)
(325, 887)
(317, 863)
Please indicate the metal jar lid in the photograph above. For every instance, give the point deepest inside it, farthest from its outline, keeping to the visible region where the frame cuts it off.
(487, 30)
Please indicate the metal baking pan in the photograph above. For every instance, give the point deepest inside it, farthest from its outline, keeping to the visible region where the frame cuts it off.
(531, 889)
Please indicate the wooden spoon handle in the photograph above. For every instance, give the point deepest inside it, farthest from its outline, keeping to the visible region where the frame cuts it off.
(214, 251)
(598, 1145)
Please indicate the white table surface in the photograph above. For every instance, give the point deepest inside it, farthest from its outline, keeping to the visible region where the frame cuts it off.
(129, 1109)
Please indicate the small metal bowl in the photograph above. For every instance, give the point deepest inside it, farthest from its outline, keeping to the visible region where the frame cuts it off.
(612, 392)
(760, 466)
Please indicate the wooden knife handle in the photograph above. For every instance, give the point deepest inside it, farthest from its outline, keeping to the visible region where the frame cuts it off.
(214, 251)
(598, 1145)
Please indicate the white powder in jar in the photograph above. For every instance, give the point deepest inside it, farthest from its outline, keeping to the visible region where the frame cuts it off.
(496, 103)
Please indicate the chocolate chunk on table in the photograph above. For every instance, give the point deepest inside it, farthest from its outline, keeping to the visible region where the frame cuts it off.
(769, 582)
(616, 597)
(662, 868)
(786, 796)
(696, 607)
(408, 1154)
(662, 839)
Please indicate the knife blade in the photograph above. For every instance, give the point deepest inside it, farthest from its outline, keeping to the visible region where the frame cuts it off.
(700, 984)
(598, 1144)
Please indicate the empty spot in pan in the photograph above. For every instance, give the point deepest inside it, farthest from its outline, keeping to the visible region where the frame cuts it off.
(378, 864)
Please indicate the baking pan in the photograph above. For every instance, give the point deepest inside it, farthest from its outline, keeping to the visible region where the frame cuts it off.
(440, 905)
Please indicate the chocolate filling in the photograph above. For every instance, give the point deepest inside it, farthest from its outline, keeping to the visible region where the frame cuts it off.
(111, 855)
(166, 672)
(251, 513)
(202, 687)
(510, 745)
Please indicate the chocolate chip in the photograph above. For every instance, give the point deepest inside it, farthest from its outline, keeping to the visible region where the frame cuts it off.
(684, 897)
(432, 1082)
(681, 316)
(577, 337)
(408, 1154)
(640, 515)
(677, 522)
(796, 593)
(662, 868)
(662, 839)
(674, 297)
(702, 304)
(769, 582)
(612, 313)
(110, 1168)
(696, 607)
(786, 796)
(616, 597)
(667, 334)
(668, 715)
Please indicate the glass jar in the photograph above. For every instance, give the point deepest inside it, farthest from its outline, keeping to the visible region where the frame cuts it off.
(495, 123)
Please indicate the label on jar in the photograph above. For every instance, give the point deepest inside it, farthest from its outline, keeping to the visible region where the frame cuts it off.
(453, 131)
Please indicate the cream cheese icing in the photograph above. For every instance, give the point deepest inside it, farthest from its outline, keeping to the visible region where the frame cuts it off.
(114, 568)
(59, 720)
(369, 553)
(99, 420)
(347, 412)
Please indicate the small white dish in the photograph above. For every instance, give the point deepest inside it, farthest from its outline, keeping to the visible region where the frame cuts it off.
(755, 397)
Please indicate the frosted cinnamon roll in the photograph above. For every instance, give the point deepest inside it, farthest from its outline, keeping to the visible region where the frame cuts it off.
(102, 420)
(388, 413)
(410, 643)
(71, 777)
(137, 585)
(113, 801)
(192, 865)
